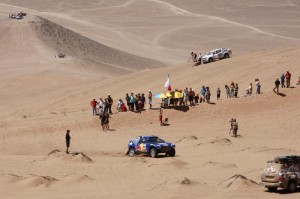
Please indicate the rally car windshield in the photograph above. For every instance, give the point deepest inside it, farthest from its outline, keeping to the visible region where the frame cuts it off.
(155, 139)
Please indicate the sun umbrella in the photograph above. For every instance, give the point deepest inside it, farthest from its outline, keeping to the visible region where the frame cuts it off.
(160, 95)
(174, 94)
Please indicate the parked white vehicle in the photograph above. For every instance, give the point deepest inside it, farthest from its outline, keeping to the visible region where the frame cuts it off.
(217, 54)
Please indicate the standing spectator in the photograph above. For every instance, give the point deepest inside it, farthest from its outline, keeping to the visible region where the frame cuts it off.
(136, 103)
(232, 89)
(161, 116)
(218, 93)
(110, 103)
(191, 97)
(227, 91)
(68, 140)
(101, 107)
(131, 102)
(236, 90)
(127, 98)
(282, 80)
(94, 106)
(106, 105)
(207, 95)
(258, 86)
(185, 96)
(197, 99)
(150, 99)
(277, 83)
(143, 100)
(203, 93)
(288, 79)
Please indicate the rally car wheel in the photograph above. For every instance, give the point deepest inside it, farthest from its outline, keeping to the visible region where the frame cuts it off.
(153, 153)
(131, 152)
(172, 153)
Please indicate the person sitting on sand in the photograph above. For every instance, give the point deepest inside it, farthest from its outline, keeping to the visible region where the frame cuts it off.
(68, 140)
(250, 89)
(119, 105)
(298, 83)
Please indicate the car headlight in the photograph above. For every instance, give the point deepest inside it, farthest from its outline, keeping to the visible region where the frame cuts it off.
(173, 145)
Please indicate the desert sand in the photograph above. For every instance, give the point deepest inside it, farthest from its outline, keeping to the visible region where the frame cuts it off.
(117, 47)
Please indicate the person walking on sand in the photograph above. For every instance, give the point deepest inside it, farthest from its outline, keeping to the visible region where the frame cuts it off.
(68, 140)
(277, 83)
(218, 93)
(288, 79)
(227, 91)
(282, 78)
(150, 99)
(94, 106)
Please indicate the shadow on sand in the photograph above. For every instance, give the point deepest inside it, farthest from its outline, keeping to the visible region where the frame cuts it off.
(281, 94)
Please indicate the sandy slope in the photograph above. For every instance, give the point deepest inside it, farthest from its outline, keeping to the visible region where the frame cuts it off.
(42, 96)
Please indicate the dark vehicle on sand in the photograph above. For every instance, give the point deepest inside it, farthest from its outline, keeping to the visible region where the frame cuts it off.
(151, 146)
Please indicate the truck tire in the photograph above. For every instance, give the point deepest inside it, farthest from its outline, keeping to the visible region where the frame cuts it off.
(210, 60)
(131, 152)
(226, 56)
(292, 186)
(153, 153)
(272, 189)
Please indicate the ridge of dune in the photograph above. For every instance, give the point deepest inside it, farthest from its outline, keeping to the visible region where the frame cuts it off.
(88, 51)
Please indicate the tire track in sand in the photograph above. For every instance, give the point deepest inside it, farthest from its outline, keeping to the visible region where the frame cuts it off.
(181, 11)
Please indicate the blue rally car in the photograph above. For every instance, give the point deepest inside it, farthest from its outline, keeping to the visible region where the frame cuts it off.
(151, 146)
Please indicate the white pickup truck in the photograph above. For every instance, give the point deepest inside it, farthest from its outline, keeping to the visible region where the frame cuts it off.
(217, 54)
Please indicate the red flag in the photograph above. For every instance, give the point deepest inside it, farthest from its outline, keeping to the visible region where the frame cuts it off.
(167, 84)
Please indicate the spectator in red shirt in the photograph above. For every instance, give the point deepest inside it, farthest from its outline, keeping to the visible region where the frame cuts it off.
(288, 79)
(94, 105)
